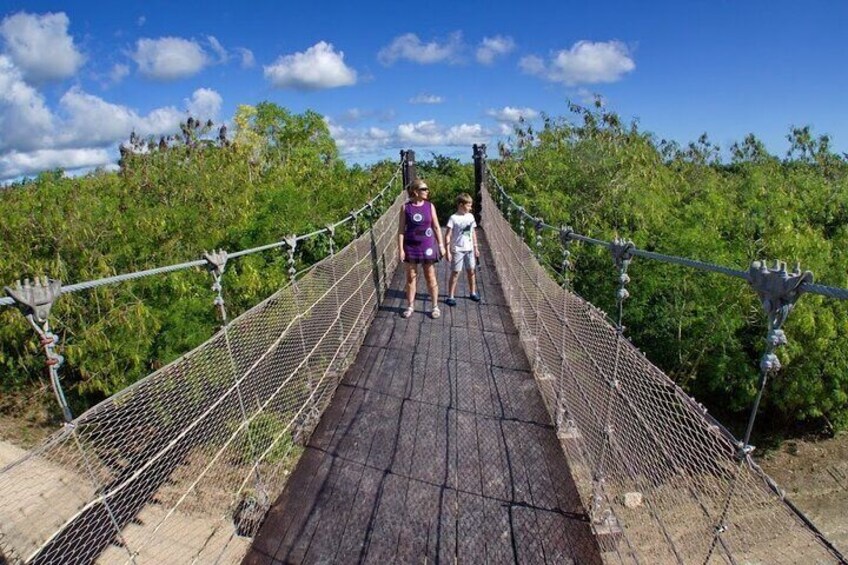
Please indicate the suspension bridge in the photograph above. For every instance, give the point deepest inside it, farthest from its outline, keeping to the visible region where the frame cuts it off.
(319, 426)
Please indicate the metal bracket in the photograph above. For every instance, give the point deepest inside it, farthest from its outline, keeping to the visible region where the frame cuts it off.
(291, 242)
(539, 224)
(778, 290)
(566, 235)
(216, 262)
(331, 232)
(354, 216)
(35, 299)
(622, 252)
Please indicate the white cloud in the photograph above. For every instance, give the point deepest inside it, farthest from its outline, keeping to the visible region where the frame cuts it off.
(352, 141)
(429, 133)
(492, 47)
(426, 99)
(141, 20)
(353, 115)
(511, 115)
(169, 58)
(219, 50)
(40, 46)
(533, 65)
(585, 63)
(25, 120)
(586, 96)
(247, 59)
(84, 129)
(118, 73)
(16, 164)
(410, 48)
(318, 67)
(91, 121)
(205, 104)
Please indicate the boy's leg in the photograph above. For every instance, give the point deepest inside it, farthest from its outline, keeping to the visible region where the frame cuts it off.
(454, 278)
(471, 271)
(472, 280)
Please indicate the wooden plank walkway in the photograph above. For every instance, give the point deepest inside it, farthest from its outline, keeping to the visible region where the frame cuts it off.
(435, 448)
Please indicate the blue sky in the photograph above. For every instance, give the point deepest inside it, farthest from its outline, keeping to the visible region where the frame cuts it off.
(77, 77)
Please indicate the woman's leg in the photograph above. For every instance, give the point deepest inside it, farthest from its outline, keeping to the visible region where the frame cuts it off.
(411, 283)
(432, 283)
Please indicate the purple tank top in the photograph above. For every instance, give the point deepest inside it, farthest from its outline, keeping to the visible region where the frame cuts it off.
(419, 241)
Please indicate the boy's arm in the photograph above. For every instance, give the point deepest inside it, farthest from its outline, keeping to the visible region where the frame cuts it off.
(447, 239)
(474, 242)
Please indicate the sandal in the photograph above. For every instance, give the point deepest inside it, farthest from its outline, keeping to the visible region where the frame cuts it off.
(408, 312)
(436, 313)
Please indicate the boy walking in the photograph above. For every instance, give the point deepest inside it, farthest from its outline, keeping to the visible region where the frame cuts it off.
(462, 251)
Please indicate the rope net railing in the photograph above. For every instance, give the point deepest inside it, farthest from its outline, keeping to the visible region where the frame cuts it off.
(182, 466)
(662, 481)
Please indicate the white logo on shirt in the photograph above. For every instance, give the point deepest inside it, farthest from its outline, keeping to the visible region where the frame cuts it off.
(417, 217)
(429, 232)
(429, 252)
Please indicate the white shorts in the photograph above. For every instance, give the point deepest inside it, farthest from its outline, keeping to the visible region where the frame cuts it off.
(463, 259)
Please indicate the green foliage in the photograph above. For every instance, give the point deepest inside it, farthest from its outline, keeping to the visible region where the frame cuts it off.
(446, 177)
(167, 205)
(267, 431)
(607, 179)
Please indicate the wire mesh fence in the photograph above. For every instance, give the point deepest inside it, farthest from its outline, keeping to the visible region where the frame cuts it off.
(662, 481)
(182, 466)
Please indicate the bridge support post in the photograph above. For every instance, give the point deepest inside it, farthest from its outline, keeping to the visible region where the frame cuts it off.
(479, 177)
(407, 157)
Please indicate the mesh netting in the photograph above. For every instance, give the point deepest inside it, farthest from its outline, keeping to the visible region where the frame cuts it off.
(182, 466)
(662, 481)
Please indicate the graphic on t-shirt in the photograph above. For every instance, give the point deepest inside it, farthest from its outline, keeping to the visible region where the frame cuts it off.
(462, 226)
(429, 232)
(417, 217)
(429, 252)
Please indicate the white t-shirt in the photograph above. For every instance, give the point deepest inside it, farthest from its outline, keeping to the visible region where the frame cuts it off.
(461, 226)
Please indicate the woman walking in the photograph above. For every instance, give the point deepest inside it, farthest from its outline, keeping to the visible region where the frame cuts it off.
(420, 242)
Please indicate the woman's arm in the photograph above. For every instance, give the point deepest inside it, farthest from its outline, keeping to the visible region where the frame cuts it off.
(401, 230)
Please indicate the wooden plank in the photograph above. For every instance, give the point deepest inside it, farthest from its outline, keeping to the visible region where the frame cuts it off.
(417, 541)
(387, 524)
(292, 510)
